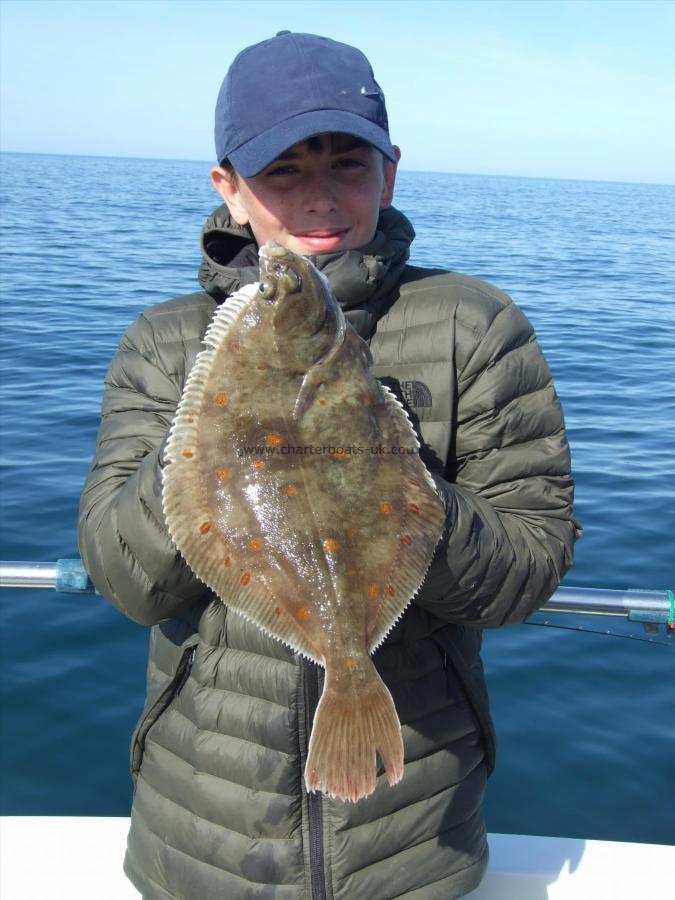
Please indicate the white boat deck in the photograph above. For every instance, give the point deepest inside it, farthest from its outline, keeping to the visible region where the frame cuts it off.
(72, 858)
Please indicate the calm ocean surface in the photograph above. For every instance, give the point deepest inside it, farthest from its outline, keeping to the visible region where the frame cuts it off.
(586, 722)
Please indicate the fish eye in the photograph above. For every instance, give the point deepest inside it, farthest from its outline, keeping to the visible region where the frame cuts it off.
(267, 289)
(291, 281)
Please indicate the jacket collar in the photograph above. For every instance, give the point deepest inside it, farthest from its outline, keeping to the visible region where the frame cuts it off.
(363, 280)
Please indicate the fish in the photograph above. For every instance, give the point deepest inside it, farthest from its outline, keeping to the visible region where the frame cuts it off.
(293, 488)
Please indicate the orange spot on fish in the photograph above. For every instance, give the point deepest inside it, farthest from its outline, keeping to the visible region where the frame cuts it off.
(340, 453)
(373, 591)
(261, 367)
(227, 562)
(385, 508)
(291, 490)
(245, 578)
(330, 545)
(390, 591)
(222, 474)
(188, 454)
(204, 528)
(407, 539)
(351, 572)
(349, 663)
(221, 399)
(277, 610)
(412, 481)
(190, 420)
(273, 440)
(322, 401)
(259, 464)
(414, 508)
(255, 544)
(303, 614)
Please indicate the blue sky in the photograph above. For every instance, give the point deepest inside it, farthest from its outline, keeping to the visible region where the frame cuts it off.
(535, 88)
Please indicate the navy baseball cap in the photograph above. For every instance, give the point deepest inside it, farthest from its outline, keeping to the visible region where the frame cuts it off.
(290, 88)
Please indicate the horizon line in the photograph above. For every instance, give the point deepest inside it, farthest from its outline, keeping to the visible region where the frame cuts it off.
(403, 169)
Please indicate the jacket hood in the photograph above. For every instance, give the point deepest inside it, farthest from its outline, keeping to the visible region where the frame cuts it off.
(362, 280)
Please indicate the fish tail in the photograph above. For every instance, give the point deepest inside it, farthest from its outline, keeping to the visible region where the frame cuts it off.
(355, 718)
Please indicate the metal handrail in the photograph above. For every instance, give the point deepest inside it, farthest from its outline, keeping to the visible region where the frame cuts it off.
(69, 577)
(66, 576)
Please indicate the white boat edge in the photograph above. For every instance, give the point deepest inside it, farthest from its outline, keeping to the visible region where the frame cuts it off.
(79, 857)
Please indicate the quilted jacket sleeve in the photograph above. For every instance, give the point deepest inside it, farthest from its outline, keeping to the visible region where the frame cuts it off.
(123, 538)
(510, 528)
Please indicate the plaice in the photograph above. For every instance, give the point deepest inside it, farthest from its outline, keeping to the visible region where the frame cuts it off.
(294, 489)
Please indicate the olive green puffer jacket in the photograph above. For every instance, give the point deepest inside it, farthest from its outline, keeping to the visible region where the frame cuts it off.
(217, 758)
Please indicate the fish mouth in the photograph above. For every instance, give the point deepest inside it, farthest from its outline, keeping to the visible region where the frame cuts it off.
(271, 253)
(279, 268)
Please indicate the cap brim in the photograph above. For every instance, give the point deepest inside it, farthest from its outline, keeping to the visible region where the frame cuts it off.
(253, 156)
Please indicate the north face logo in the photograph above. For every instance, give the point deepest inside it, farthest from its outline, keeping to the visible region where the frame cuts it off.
(416, 393)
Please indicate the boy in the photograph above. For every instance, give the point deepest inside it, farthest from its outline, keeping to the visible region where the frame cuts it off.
(220, 809)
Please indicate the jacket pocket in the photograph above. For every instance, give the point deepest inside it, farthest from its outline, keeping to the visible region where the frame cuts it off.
(163, 702)
(466, 683)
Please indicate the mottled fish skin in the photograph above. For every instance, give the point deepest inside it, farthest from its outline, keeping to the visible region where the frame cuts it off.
(294, 489)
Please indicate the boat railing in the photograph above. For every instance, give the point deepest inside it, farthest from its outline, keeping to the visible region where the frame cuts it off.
(650, 607)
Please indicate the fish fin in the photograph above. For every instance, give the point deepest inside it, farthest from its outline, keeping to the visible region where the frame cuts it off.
(350, 725)
(421, 529)
(306, 395)
(230, 574)
(227, 313)
(317, 374)
(184, 428)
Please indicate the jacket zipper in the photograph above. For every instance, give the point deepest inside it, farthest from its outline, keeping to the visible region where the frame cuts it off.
(189, 662)
(313, 686)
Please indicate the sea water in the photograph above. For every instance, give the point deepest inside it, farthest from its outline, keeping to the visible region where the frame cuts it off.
(585, 722)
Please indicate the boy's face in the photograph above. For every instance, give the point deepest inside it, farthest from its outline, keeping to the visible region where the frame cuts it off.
(322, 195)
